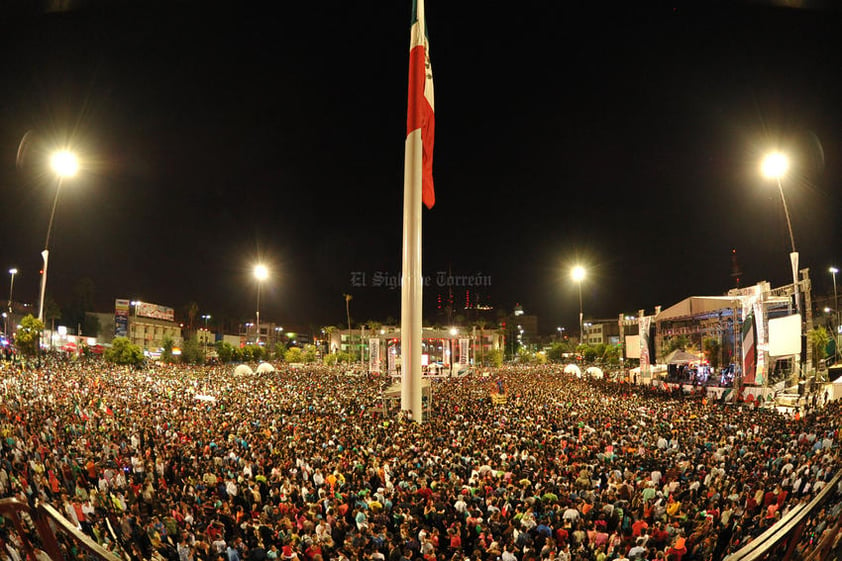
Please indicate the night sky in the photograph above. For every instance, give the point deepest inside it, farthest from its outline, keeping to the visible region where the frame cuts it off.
(214, 136)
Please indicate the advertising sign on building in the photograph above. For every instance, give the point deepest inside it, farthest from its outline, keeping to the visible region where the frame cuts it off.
(121, 318)
(154, 311)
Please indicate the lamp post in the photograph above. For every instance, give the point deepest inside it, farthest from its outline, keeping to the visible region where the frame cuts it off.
(833, 271)
(261, 273)
(578, 275)
(775, 166)
(64, 164)
(12, 272)
(206, 317)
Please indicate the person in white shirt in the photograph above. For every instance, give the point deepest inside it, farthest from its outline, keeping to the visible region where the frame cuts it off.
(508, 554)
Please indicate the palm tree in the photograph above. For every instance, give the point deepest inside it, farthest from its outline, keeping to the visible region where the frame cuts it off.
(329, 330)
(348, 299)
(481, 323)
(191, 310)
(818, 339)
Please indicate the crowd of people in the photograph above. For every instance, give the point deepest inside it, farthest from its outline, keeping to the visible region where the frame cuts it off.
(196, 464)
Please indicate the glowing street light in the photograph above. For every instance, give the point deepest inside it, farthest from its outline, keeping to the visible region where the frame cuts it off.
(261, 273)
(64, 164)
(774, 166)
(578, 275)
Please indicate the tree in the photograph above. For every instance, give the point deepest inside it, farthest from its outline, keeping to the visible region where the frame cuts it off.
(28, 336)
(166, 354)
(712, 347)
(225, 351)
(481, 323)
(191, 310)
(495, 357)
(348, 299)
(122, 351)
(818, 338)
(329, 330)
(612, 354)
(556, 352)
(679, 342)
(75, 315)
(91, 326)
(52, 312)
(309, 354)
(588, 352)
(192, 352)
(294, 356)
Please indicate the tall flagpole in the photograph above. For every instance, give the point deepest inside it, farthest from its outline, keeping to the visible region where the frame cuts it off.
(412, 283)
(417, 178)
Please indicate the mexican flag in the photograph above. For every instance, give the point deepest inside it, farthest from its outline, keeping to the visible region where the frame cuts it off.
(420, 119)
(103, 408)
(749, 349)
(80, 412)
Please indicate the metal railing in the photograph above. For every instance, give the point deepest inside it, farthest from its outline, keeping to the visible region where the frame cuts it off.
(48, 524)
(783, 540)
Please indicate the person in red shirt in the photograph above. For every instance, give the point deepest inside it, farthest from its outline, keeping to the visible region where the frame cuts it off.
(659, 535)
(677, 550)
(561, 536)
(638, 527)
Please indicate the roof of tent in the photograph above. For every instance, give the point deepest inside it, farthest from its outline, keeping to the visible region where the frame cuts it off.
(697, 305)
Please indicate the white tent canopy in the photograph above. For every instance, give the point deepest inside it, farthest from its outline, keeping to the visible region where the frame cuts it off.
(594, 372)
(242, 370)
(573, 369)
(264, 367)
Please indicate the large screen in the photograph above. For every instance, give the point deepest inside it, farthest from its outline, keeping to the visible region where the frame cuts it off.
(785, 335)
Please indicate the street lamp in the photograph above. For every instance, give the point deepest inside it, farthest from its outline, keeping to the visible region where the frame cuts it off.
(12, 273)
(64, 164)
(578, 275)
(261, 273)
(833, 271)
(775, 166)
(206, 317)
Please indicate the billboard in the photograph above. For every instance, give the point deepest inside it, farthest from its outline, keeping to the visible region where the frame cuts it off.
(121, 318)
(154, 311)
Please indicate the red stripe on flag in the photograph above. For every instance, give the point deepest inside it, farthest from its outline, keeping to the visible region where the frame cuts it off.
(419, 115)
